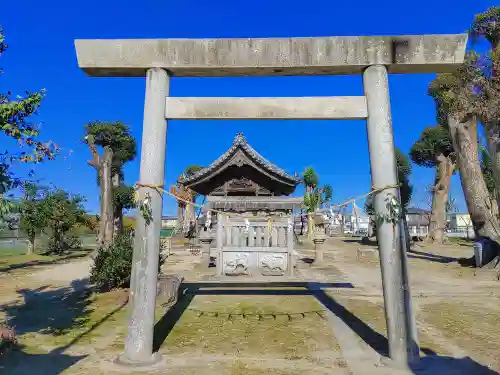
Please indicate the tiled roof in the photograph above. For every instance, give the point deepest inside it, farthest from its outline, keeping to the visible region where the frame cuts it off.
(240, 142)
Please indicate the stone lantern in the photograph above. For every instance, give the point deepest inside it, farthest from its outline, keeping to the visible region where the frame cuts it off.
(206, 237)
(319, 238)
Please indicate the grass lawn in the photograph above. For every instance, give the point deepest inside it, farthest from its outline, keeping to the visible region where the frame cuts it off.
(372, 314)
(469, 324)
(10, 251)
(278, 326)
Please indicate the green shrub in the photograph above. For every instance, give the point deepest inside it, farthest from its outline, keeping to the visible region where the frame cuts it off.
(61, 245)
(113, 264)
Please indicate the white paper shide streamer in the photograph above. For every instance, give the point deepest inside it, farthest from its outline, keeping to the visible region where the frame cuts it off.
(208, 222)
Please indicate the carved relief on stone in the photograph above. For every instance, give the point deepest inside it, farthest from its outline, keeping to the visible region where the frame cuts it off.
(273, 265)
(237, 266)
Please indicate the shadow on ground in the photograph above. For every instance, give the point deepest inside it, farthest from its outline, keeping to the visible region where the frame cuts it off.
(53, 313)
(430, 364)
(434, 364)
(362, 241)
(18, 362)
(413, 254)
(307, 260)
(50, 311)
(431, 257)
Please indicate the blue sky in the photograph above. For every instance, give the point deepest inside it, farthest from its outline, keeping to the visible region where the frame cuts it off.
(41, 55)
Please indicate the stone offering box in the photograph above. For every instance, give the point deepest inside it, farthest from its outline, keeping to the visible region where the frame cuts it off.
(257, 247)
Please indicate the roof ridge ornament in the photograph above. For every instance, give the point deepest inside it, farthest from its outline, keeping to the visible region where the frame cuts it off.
(239, 138)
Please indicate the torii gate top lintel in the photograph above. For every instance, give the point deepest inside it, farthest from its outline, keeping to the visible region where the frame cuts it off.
(340, 55)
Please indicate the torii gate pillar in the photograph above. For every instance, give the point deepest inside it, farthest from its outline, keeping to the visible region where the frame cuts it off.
(400, 323)
(139, 341)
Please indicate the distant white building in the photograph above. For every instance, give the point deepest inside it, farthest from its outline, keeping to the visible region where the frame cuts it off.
(353, 225)
(335, 223)
(168, 221)
(418, 221)
(460, 225)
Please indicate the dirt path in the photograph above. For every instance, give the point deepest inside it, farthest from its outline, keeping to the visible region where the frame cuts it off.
(68, 273)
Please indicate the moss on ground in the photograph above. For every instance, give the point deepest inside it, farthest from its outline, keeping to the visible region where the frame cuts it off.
(282, 326)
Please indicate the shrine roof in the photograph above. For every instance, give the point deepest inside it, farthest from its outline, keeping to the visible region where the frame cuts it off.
(240, 144)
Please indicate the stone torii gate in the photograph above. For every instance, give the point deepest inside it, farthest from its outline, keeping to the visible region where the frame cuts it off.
(372, 56)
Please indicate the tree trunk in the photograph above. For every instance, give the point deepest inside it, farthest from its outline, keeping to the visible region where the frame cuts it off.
(100, 233)
(405, 233)
(444, 171)
(310, 214)
(31, 244)
(464, 137)
(492, 136)
(310, 225)
(57, 237)
(180, 217)
(106, 225)
(117, 209)
(117, 219)
(188, 218)
(493, 143)
(494, 204)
